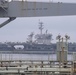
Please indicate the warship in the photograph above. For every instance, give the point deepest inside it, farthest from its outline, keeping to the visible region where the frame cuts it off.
(40, 45)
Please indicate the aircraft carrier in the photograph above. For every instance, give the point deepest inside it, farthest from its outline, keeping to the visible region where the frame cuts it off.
(42, 44)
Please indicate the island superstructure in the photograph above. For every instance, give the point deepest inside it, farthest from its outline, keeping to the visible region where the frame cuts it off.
(40, 38)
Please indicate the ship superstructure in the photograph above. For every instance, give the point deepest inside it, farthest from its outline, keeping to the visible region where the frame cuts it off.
(43, 38)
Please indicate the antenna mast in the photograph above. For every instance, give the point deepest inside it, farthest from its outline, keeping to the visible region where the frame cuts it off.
(41, 27)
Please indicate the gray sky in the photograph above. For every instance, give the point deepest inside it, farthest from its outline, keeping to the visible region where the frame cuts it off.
(19, 29)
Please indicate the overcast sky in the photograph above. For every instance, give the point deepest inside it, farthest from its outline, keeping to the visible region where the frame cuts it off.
(19, 29)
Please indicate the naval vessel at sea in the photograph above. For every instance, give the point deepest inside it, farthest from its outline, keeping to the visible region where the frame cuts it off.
(41, 45)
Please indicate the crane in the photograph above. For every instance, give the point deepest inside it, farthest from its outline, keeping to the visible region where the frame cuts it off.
(13, 9)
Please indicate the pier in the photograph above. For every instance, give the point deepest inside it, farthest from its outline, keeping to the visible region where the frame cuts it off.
(36, 67)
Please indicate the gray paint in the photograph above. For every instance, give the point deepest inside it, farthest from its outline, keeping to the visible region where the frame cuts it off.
(36, 9)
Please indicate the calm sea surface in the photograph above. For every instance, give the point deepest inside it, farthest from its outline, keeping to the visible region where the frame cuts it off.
(31, 57)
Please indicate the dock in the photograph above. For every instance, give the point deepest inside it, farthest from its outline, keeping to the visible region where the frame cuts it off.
(36, 67)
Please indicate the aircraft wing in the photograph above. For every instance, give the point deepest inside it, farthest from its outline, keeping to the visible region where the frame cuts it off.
(37, 9)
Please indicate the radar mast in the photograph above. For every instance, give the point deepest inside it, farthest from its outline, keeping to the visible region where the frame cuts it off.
(41, 27)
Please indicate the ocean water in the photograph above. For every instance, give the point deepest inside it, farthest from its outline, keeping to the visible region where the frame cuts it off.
(32, 57)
